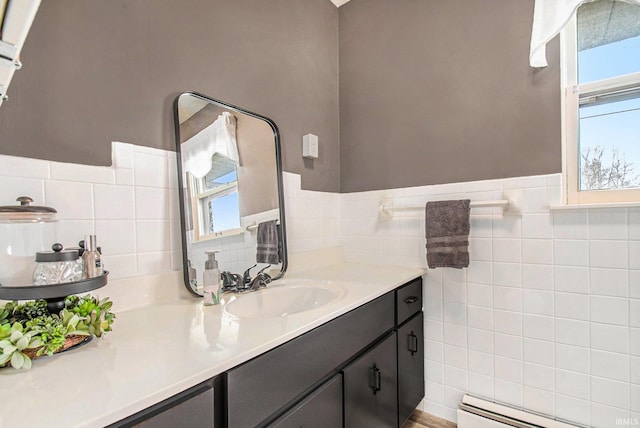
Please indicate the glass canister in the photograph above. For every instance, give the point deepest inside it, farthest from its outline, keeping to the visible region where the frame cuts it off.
(57, 266)
(24, 230)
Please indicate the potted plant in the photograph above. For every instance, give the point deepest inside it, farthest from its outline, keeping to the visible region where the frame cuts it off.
(29, 331)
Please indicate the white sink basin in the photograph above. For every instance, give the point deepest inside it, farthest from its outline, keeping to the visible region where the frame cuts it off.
(282, 301)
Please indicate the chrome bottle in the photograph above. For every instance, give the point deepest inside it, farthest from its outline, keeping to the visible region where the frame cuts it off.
(91, 263)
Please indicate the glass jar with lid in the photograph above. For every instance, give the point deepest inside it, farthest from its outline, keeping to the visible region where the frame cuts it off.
(57, 266)
(24, 230)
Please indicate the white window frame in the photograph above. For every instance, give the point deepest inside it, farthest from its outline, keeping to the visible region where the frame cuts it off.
(196, 189)
(571, 94)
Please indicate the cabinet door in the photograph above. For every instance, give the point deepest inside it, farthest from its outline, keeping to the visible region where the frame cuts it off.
(323, 409)
(370, 387)
(410, 367)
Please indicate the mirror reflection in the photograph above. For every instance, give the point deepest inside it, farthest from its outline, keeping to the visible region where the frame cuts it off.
(230, 183)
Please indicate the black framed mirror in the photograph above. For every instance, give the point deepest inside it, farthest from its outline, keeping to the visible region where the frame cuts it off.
(229, 181)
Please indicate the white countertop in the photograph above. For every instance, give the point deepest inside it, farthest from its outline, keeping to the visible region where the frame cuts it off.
(157, 351)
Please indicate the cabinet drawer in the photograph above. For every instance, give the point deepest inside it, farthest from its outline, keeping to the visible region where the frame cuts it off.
(267, 384)
(408, 300)
(323, 409)
(410, 367)
(193, 408)
(370, 388)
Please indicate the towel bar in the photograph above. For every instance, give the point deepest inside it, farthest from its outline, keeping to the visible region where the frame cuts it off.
(387, 210)
(254, 226)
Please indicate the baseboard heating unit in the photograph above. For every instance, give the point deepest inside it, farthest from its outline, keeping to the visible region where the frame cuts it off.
(474, 412)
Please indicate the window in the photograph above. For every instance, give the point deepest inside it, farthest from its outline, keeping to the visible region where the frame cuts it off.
(601, 77)
(216, 212)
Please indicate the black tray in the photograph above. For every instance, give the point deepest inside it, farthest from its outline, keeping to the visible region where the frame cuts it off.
(54, 294)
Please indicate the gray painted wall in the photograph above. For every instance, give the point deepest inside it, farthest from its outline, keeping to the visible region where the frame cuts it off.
(440, 91)
(431, 91)
(102, 71)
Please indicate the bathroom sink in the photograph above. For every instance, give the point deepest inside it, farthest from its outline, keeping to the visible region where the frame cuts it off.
(282, 301)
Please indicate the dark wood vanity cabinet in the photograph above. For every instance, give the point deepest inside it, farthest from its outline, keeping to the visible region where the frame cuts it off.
(362, 369)
(261, 389)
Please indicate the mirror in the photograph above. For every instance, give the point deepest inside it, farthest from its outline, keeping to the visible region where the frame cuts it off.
(230, 181)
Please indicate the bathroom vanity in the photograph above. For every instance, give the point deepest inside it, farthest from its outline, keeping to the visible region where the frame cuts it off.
(366, 366)
(174, 361)
(336, 345)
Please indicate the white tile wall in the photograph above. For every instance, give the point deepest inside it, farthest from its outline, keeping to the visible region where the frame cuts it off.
(313, 218)
(130, 206)
(546, 317)
(547, 313)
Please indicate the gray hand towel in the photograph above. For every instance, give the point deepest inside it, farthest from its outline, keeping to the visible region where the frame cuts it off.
(268, 243)
(447, 233)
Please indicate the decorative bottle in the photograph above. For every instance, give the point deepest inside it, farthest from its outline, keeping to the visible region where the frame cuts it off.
(91, 262)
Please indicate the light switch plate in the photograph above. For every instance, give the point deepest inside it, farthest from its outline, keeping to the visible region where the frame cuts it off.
(310, 146)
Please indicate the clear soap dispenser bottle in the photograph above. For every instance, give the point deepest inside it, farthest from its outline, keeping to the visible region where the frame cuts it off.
(211, 279)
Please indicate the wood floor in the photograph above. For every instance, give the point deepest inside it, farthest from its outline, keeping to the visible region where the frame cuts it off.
(420, 419)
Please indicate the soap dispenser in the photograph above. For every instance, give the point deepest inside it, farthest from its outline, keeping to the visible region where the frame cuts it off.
(211, 279)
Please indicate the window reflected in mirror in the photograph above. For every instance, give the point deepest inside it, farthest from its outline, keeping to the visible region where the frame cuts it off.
(215, 196)
(210, 161)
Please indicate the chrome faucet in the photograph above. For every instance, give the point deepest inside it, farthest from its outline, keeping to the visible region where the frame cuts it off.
(261, 280)
(246, 277)
(240, 284)
(231, 281)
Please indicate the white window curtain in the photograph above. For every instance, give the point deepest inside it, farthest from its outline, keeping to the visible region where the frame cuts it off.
(549, 18)
(16, 18)
(219, 137)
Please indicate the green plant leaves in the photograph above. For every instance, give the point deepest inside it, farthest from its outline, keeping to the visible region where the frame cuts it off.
(16, 332)
(94, 315)
(20, 361)
(17, 360)
(30, 326)
(30, 310)
(26, 363)
(23, 342)
(35, 343)
(7, 347)
(5, 331)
